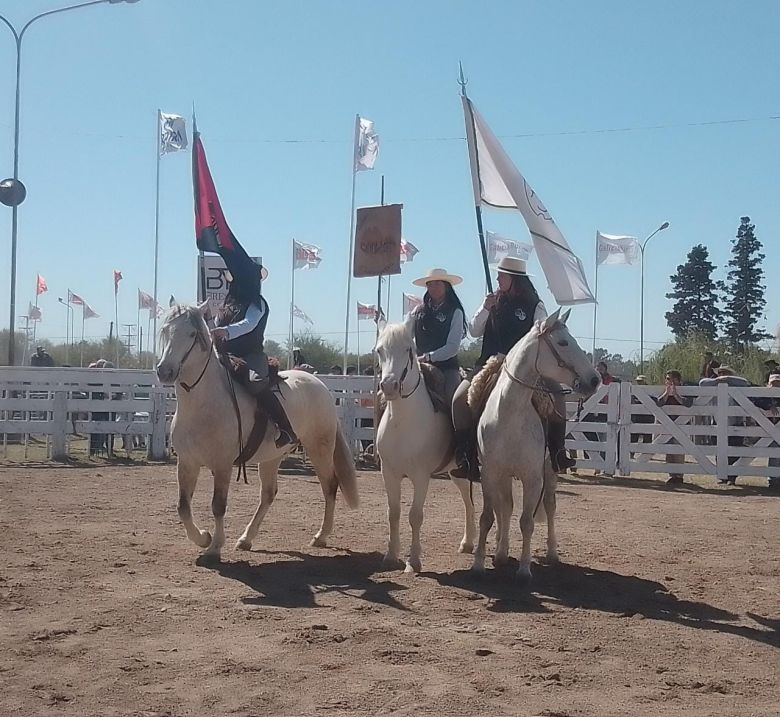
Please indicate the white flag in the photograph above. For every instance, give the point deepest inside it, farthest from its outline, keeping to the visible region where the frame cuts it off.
(298, 314)
(408, 251)
(173, 133)
(615, 249)
(89, 312)
(411, 302)
(497, 183)
(499, 247)
(307, 256)
(366, 145)
(368, 312)
(34, 312)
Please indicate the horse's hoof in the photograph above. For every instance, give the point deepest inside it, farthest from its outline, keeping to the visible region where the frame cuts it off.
(524, 575)
(478, 567)
(552, 557)
(466, 548)
(205, 539)
(318, 542)
(500, 560)
(243, 544)
(413, 566)
(391, 562)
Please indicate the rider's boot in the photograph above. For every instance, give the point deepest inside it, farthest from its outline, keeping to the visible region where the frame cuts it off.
(556, 440)
(270, 403)
(466, 456)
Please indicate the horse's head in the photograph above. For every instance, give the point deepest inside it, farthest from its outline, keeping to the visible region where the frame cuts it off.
(397, 359)
(560, 357)
(183, 330)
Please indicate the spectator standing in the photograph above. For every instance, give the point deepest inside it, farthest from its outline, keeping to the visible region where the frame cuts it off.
(41, 357)
(671, 397)
(710, 366)
(770, 367)
(640, 380)
(606, 378)
(772, 405)
(724, 374)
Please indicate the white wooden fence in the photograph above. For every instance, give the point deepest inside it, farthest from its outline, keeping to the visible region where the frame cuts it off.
(724, 433)
(619, 431)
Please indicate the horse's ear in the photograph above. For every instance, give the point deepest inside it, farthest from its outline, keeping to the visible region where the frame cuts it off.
(203, 306)
(565, 316)
(550, 321)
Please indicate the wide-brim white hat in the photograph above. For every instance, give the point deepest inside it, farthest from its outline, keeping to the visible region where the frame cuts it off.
(438, 275)
(513, 265)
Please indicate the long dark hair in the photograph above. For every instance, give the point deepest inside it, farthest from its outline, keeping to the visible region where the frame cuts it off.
(450, 299)
(521, 290)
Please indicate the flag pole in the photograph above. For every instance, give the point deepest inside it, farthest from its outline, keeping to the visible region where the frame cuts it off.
(138, 324)
(149, 328)
(351, 242)
(81, 345)
(379, 278)
(35, 323)
(116, 317)
(471, 141)
(596, 302)
(358, 346)
(292, 305)
(156, 230)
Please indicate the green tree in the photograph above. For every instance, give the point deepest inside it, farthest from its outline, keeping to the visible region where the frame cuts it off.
(695, 309)
(744, 289)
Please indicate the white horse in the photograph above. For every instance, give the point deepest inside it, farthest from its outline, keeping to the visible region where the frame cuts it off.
(205, 431)
(512, 442)
(413, 441)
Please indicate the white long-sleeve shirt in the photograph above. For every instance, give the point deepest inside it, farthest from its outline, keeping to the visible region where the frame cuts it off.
(454, 337)
(252, 318)
(478, 321)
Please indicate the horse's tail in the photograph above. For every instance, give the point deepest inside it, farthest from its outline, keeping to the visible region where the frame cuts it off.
(344, 468)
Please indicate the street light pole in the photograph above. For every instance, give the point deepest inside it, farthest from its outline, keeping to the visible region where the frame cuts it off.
(642, 246)
(18, 37)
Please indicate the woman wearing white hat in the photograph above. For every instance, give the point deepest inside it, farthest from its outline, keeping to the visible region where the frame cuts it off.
(504, 318)
(438, 325)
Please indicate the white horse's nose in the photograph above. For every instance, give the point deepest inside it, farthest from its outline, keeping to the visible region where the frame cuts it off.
(164, 373)
(389, 386)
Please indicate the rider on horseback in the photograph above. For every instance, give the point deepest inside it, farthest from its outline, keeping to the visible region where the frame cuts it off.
(504, 318)
(240, 329)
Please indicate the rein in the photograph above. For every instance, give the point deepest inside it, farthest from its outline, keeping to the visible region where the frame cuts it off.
(189, 387)
(404, 375)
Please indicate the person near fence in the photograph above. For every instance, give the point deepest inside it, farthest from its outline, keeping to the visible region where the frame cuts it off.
(41, 357)
(771, 367)
(240, 331)
(771, 405)
(725, 374)
(640, 380)
(710, 366)
(503, 318)
(671, 397)
(98, 443)
(606, 379)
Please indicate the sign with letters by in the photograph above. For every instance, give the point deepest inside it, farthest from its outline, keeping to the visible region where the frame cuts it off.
(377, 241)
(213, 268)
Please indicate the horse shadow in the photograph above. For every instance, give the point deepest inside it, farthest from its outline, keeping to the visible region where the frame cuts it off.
(624, 596)
(297, 581)
(579, 479)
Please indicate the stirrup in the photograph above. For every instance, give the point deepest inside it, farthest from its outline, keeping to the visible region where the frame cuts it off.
(285, 439)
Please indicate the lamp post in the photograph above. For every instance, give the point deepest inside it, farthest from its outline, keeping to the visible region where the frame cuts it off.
(16, 185)
(642, 246)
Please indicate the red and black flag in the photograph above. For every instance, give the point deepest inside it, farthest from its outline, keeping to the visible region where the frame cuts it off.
(212, 232)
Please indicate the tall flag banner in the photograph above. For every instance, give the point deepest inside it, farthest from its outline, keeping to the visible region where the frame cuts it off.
(411, 302)
(617, 249)
(34, 313)
(498, 183)
(117, 279)
(366, 146)
(307, 256)
(366, 312)
(40, 286)
(89, 312)
(298, 314)
(173, 133)
(145, 301)
(499, 248)
(75, 299)
(408, 251)
(212, 232)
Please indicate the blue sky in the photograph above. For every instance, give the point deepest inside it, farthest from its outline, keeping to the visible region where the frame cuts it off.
(549, 77)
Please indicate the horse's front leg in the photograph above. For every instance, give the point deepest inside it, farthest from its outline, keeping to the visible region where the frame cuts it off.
(218, 509)
(503, 505)
(393, 490)
(421, 483)
(532, 494)
(187, 476)
(550, 485)
(469, 531)
(268, 473)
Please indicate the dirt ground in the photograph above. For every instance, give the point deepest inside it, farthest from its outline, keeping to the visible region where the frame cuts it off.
(667, 603)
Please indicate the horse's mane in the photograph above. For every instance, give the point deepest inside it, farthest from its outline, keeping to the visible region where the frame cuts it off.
(193, 314)
(395, 333)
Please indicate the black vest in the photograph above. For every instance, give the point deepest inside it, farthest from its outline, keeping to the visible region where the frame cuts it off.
(431, 330)
(506, 325)
(251, 343)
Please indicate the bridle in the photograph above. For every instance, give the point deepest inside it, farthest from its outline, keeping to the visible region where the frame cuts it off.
(562, 363)
(210, 350)
(405, 373)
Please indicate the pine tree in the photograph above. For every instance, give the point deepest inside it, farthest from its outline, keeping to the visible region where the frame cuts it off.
(744, 289)
(695, 309)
